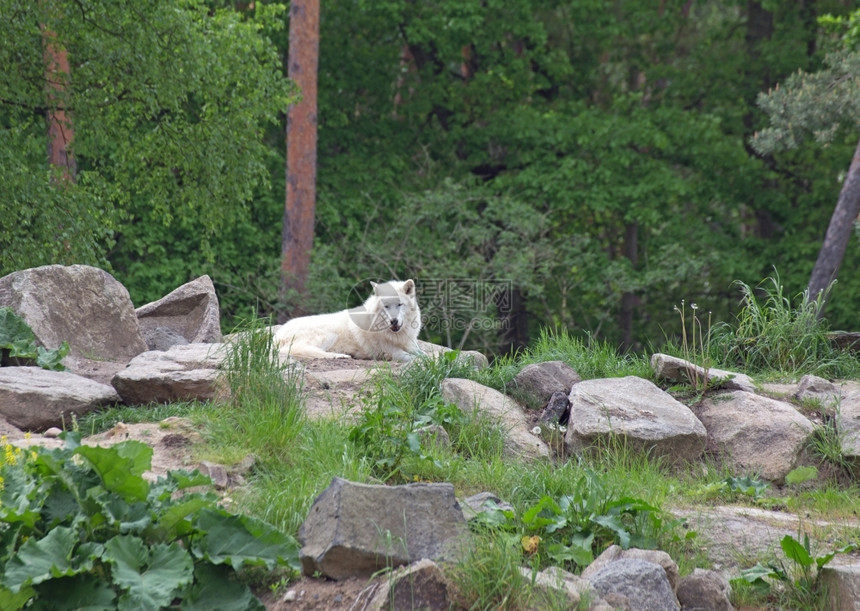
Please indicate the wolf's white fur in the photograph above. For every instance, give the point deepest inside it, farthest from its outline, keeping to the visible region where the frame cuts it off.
(386, 326)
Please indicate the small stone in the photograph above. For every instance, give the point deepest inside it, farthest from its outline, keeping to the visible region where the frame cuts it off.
(290, 596)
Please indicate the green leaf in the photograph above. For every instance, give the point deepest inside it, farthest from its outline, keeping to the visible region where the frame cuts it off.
(579, 550)
(796, 552)
(240, 540)
(189, 479)
(533, 519)
(176, 521)
(150, 576)
(120, 467)
(12, 601)
(800, 475)
(50, 359)
(14, 329)
(821, 561)
(755, 576)
(413, 442)
(614, 524)
(79, 593)
(215, 589)
(41, 559)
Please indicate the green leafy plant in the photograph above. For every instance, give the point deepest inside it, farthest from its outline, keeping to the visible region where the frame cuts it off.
(81, 525)
(799, 572)
(568, 530)
(732, 486)
(389, 427)
(18, 344)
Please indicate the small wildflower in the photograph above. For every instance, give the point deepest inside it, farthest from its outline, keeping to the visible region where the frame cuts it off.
(536, 430)
(562, 428)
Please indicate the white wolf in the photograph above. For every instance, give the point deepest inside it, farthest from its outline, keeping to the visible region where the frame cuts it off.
(386, 326)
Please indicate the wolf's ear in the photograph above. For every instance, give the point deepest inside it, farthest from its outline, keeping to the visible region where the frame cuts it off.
(409, 287)
(373, 285)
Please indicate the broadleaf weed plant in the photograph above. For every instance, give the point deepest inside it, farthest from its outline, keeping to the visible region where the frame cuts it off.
(566, 530)
(798, 574)
(81, 525)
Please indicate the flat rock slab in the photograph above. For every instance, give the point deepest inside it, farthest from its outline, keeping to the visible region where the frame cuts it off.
(183, 372)
(676, 369)
(33, 399)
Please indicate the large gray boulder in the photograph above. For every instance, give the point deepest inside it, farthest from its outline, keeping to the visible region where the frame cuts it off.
(421, 585)
(468, 395)
(34, 399)
(812, 388)
(358, 529)
(754, 434)
(188, 315)
(637, 410)
(614, 553)
(642, 585)
(183, 372)
(82, 305)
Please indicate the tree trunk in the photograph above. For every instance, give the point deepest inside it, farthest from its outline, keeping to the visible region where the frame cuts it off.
(60, 132)
(298, 226)
(838, 232)
(628, 299)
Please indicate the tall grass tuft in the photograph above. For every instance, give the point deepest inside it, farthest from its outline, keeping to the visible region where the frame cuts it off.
(772, 336)
(265, 410)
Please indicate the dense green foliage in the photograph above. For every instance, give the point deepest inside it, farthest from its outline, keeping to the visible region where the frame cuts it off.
(580, 167)
(81, 527)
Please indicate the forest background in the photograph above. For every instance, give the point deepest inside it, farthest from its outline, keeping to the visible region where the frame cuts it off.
(583, 164)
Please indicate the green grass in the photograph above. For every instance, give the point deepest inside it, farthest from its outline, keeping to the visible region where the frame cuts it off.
(106, 419)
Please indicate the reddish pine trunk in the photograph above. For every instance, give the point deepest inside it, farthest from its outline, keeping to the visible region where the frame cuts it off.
(60, 132)
(298, 227)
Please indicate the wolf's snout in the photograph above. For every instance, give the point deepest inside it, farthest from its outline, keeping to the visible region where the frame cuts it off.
(395, 325)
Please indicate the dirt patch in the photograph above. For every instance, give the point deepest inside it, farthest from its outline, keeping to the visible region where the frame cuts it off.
(313, 594)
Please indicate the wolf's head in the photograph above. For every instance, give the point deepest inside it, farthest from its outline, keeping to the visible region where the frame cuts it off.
(393, 307)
